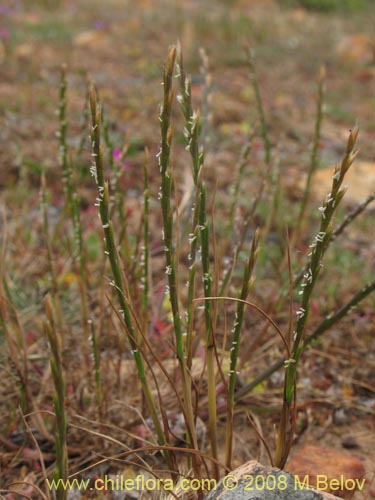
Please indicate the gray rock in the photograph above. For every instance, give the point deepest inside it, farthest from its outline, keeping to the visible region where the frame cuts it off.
(253, 481)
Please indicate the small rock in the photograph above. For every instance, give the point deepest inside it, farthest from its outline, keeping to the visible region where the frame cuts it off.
(364, 380)
(73, 494)
(24, 51)
(340, 417)
(253, 481)
(90, 38)
(357, 47)
(360, 180)
(350, 442)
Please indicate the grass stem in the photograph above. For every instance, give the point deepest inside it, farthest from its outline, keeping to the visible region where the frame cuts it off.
(54, 340)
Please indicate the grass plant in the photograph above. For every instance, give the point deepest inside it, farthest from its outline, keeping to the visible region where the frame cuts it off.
(177, 347)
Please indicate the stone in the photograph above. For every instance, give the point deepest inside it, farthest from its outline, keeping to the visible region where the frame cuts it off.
(350, 443)
(360, 180)
(253, 481)
(357, 47)
(91, 38)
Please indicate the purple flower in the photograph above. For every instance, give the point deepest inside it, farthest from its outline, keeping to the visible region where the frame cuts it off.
(99, 24)
(4, 10)
(116, 155)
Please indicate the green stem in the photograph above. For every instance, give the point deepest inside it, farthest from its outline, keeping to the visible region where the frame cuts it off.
(259, 102)
(235, 349)
(54, 339)
(48, 243)
(146, 240)
(72, 202)
(245, 230)
(243, 162)
(97, 170)
(200, 230)
(98, 376)
(315, 149)
(330, 320)
(318, 248)
(169, 251)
